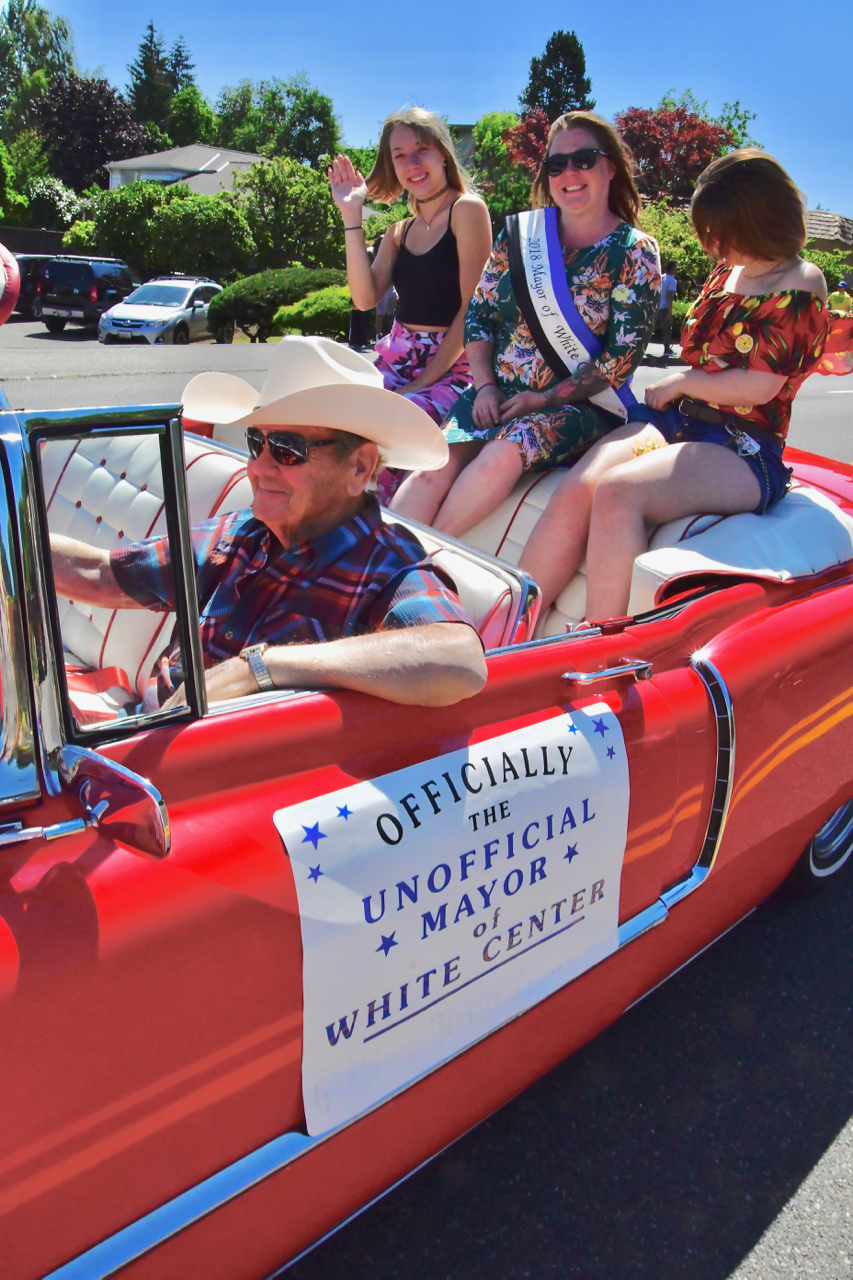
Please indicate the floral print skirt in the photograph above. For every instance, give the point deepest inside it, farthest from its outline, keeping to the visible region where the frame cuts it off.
(556, 438)
(405, 353)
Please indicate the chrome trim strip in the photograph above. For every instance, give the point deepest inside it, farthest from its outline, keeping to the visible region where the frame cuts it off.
(683, 887)
(140, 1237)
(639, 924)
(725, 771)
(48, 712)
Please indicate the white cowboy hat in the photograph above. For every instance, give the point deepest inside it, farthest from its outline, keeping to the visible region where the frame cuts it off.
(319, 383)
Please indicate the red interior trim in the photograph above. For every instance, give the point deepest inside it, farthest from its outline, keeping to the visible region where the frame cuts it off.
(521, 503)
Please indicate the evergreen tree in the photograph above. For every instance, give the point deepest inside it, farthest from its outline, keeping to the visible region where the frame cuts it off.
(151, 85)
(558, 80)
(34, 47)
(181, 66)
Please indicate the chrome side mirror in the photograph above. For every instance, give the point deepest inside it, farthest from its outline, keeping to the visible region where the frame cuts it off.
(122, 805)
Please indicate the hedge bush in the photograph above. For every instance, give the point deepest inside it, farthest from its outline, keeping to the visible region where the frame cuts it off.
(325, 312)
(252, 303)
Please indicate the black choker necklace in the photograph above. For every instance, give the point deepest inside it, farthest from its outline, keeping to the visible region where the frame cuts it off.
(446, 187)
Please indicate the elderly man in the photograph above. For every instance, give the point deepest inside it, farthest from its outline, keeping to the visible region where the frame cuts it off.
(310, 587)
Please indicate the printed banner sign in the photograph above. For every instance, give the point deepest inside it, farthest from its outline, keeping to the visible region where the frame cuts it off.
(440, 901)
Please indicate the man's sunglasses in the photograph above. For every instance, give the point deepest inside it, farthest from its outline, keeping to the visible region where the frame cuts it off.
(286, 447)
(585, 158)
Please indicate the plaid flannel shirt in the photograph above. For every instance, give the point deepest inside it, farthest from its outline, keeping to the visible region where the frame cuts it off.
(360, 577)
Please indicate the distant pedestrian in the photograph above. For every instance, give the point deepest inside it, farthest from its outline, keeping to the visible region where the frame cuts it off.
(840, 299)
(668, 290)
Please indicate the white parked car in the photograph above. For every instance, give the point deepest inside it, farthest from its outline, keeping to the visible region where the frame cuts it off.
(166, 309)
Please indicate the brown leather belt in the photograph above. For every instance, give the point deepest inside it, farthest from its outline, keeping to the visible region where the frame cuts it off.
(699, 409)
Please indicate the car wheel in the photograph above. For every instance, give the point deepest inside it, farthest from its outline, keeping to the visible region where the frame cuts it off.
(53, 324)
(182, 336)
(827, 851)
(226, 333)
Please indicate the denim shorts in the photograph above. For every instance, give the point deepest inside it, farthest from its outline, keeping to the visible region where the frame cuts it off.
(763, 457)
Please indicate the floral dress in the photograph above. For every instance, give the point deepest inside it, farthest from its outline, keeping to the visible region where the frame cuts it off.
(783, 333)
(616, 288)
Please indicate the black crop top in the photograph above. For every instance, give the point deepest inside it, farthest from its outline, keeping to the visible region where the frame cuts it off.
(427, 284)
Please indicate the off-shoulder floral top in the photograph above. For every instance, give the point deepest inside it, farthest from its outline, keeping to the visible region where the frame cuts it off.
(782, 333)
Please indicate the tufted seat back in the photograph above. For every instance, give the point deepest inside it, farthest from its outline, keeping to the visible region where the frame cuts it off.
(802, 535)
(107, 491)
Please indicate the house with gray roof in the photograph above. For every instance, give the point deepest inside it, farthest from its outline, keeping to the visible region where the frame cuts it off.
(830, 231)
(206, 170)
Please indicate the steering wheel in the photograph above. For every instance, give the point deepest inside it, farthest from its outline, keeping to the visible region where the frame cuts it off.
(10, 283)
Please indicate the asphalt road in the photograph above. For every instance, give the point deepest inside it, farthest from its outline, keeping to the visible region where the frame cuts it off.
(708, 1134)
(39, 370)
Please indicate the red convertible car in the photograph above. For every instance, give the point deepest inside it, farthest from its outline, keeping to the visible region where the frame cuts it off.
(261, 959)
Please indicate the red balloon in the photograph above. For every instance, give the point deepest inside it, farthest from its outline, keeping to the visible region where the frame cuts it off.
(10, 278)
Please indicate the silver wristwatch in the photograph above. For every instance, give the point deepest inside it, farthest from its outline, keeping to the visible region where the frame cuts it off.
(253, 654)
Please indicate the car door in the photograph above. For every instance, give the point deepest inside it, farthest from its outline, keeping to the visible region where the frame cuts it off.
(155, 1033)
(198, 315)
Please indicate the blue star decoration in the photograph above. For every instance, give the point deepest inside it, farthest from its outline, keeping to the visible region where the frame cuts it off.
(314, 873)
(611, 752)
(313, 835)
(573, 728)
(600, 727)
(344, 813)
(571, 852)
(387, 943)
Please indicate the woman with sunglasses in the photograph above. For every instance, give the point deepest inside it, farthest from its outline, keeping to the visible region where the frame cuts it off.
(433, 259)
(522, 413)
(710, 437)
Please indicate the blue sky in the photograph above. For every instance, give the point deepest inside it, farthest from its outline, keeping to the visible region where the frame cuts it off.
(787, 61)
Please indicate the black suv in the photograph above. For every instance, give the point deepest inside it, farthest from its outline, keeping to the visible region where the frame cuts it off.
(80, 290)
(30, 266)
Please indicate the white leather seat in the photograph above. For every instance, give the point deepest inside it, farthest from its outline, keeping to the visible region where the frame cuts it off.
(802, 535)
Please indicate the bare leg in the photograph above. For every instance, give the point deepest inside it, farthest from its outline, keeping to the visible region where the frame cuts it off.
(422, 493)
(655, 488)
(480, 488)
(556, 546)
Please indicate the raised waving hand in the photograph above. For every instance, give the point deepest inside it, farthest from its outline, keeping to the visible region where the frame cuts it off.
(349, 189)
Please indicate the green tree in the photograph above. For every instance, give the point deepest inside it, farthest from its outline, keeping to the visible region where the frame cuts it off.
(291, 214)
(13, 205)
(678, 243)
(181, 66)
(558, 80)
(29, 157)
(151, 84)
(199, 235)
(85, 122)
(123, 220)
(191, 118)
(311, 128)
(278, 117)
(34, 47)
(504, 186)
